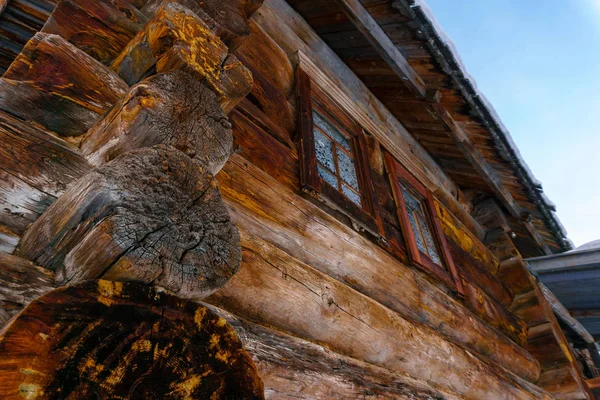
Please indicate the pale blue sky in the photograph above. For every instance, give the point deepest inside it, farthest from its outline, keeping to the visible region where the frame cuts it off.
(538, 61)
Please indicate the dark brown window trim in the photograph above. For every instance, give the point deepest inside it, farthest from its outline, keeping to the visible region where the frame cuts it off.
(312, 97)
(449, 276)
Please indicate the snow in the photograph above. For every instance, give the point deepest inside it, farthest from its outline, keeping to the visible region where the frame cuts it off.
(445, 39)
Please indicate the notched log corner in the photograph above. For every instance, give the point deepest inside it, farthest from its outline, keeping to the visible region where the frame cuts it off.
(228, 19)
(174, 109)
(101, 28)
(175, 38)
(122, 340)
(149, 216)
(58, 86)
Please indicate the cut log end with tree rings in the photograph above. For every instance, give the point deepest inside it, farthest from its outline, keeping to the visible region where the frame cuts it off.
(122, 341)
(172, 108)
(150, 216)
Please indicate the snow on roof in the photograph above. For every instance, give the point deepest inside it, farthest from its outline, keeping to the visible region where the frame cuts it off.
(467, 78)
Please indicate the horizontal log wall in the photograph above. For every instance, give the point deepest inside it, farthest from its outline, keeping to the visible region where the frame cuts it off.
(272, 212)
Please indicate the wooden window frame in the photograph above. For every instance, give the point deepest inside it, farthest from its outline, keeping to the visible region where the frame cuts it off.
(311, 97)
(450, 275)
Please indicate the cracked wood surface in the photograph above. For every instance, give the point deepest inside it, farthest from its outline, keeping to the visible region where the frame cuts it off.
(173, 109)
(176, 38)
(20, 282)
(269, 210)
(228, 19)
(122, 340)
(293, 368)
(101, 28)
(148, 216)
(59, 86)
(274, 288)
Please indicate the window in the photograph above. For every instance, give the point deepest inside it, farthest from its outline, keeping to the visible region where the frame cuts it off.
(335, 167)
(421, 228)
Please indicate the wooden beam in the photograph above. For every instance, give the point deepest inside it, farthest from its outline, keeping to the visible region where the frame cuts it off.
(593, 383)
(486, 172)
(562, 313)
(586, 313)
(535, 235)
(367, 25)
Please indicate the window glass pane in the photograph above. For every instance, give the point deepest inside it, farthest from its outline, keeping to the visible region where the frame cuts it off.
(347, 169)
(416, 232)
(324, 151)
(331, 130)
(420, 224)
(431, 245)
(327, 176)
(349, 193)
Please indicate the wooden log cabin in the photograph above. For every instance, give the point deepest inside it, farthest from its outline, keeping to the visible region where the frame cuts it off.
(238, 199)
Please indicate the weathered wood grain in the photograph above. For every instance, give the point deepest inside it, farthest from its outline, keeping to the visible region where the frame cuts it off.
(230, 18)
(122, 340)
(276, 289)
(266, 152)
(8, 240)
(176, 38)
(475, 273)
(561, 382)
(101, 28)
(465, 239)
(269, 210)
(495, 314)
(173, 109)
(149, 216)
(20, 282)
(35, 168)
(260, 52)
(58, 86)
(293, 368)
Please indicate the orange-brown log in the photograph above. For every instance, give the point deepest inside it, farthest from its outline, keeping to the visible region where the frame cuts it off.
(292, 368)
(229, 19)
(149, 216)
(276, 289)
(265, 56)
(122, 340)
(173, 109)
(58, 86)
(20, 282)
(101, 28)
(176, 38)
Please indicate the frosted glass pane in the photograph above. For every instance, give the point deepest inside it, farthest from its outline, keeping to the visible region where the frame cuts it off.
(355, 198)
(431, 245)
(331, 130)
(327, 176)
(347, 169)
(324, 151)
(412, 203)
(416, 232)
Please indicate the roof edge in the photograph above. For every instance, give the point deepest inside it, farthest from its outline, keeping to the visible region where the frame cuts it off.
(447, 56)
